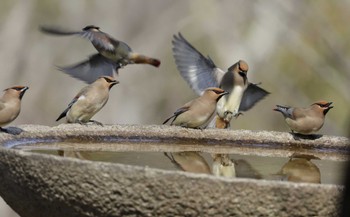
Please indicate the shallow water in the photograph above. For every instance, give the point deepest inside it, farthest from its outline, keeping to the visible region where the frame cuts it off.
(300, 169)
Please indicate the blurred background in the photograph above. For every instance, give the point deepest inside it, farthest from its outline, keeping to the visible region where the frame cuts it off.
(299, 50)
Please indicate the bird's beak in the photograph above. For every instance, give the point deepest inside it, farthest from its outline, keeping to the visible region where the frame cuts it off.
(113, 83)
(224, 93)
(22, 92)
(329, 107)
(328, 104)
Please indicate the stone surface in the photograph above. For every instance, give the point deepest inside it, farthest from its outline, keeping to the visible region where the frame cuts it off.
(44, 185)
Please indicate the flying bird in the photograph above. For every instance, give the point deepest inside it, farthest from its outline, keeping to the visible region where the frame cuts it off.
(112, 54)
(305, 121)
(198, 112)
(10, 105)
(200, 72)
(89, 101)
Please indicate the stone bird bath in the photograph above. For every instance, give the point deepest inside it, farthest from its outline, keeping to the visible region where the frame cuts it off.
(37, 184)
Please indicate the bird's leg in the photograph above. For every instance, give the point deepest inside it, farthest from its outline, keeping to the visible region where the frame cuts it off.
(81, 123)
(237, 114)
(96, 122)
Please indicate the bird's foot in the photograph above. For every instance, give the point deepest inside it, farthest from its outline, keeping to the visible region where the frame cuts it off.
(96, 122)
(237, 114)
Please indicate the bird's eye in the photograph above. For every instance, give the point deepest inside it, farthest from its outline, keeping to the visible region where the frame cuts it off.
(218, 91)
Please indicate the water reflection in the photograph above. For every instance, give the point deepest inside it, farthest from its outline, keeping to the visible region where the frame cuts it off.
(296, 168)
(73, 154)
(223, 166)
(299, 168)
(245, 170)
(189, 161)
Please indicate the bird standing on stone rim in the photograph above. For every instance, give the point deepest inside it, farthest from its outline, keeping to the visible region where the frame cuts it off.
(201, 72)
(305, 121)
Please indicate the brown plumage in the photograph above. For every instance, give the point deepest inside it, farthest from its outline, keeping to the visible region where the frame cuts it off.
(10, 104)
(198, 112)
(200, 72)
(305, 120)
(189, 161)
(112, 54)
(89, 101)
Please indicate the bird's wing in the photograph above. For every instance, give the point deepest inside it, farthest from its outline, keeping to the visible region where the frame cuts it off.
(75, 99)
(58, 31)
(91, 69)
(198, 71)
(101, 40)
(297, 113)
(177, 113)
(251, 96)
(64, 113)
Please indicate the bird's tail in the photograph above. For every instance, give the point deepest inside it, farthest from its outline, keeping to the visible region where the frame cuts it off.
(142, 59)
(166, 121)
(63, 114)
(283, 109)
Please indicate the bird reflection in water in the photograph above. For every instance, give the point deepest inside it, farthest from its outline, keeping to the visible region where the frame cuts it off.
(299, 168)
(72, 154)
(189, 161)
(222, 165)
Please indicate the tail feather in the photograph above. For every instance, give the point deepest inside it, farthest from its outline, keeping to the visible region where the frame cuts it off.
(142, 59)
(285, 110)
(63, 114)
(166, 121)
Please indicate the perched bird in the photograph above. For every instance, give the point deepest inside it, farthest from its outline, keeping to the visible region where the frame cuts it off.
(305, 121)
(198, 112)
(10, 105)
(89, 101)
(112, 54)
(201, 72)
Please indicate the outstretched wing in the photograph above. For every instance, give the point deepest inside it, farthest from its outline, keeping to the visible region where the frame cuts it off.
(198, 71)
(91, 69)
(251, 96)
(54, 30)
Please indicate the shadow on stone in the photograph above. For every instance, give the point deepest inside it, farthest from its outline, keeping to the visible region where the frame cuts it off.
(12, 130)
(298, 136)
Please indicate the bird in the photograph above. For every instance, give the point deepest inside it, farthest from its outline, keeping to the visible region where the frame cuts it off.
(200, 72)
(89, 101)
(112, 54)
(198, 112)
(10, 104)
(305, 121)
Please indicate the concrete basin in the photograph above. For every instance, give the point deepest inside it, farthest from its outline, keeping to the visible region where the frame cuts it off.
(45, 185)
